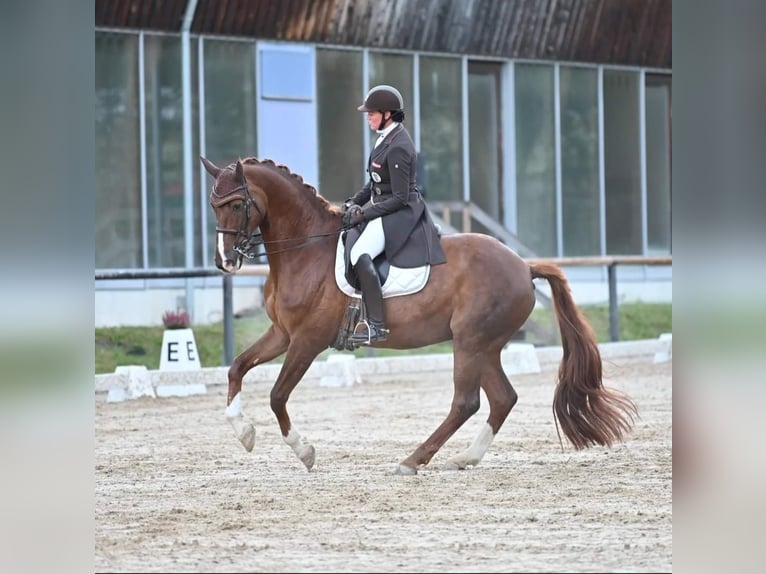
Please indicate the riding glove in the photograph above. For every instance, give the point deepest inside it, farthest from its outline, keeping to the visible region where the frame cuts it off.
(353, 216)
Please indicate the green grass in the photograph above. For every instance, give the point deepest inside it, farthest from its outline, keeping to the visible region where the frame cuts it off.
(142, 345)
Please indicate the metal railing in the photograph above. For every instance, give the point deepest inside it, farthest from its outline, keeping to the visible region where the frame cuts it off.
(443, 211)
(611, 263)
(228, 291)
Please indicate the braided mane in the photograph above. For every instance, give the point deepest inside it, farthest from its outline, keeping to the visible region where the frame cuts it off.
(287, 172)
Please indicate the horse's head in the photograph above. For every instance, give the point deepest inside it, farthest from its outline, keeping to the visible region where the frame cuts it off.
(237, 214)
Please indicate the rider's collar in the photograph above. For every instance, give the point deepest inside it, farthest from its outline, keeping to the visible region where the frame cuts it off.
(388, 130)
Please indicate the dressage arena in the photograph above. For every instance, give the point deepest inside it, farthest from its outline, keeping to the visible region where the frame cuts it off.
(176, 492)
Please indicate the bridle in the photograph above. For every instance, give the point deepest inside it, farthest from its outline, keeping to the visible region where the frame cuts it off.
(247, 243)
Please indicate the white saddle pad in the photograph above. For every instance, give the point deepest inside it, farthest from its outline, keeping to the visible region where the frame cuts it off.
(399, 282)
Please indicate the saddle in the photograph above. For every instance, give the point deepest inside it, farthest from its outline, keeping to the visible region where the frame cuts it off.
(395, 281)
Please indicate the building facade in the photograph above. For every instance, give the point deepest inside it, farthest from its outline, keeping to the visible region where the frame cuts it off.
(552, 120)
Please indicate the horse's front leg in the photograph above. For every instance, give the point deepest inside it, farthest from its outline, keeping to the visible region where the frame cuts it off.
(297, 361)
(271, 344)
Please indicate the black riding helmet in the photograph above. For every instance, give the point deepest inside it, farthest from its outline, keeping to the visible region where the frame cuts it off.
(384, 99)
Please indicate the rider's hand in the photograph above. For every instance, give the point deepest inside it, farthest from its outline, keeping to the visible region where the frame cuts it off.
(353, 216)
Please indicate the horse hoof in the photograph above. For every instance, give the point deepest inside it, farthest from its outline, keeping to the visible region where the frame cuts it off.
(309, 457)
(405, 470)
(452, 465)
(247, 437)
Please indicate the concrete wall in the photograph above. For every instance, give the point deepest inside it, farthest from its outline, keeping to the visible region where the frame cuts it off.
(145, 307)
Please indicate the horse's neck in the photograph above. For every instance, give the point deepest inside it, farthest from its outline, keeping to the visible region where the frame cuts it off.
(295, 246)
(292, 214)
(291, 211)
(294, 219)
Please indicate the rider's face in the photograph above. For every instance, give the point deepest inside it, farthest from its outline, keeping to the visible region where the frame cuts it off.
(373, 119)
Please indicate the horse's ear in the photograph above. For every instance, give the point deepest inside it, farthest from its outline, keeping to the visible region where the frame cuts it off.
(210, 167)
(240, 170)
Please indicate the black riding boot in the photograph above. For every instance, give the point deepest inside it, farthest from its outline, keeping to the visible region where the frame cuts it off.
(372, 294)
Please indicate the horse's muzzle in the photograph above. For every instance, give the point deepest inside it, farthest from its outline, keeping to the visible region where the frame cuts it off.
(230, 265)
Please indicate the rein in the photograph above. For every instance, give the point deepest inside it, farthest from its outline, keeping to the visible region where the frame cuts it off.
(250, 241)
(247, 246)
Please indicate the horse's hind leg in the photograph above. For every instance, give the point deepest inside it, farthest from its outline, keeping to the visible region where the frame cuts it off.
(465, 403)
(271, 344)
(501, 397)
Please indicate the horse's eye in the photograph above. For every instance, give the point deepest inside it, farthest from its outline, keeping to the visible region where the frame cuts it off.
(236, 206)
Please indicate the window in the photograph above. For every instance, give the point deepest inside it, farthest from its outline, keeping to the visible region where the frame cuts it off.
(535, 160)
(658, 163)
(441, 127)
(578, 90)
(118, 163)
(287, 108)
(393, 70)
(164, 151)
(339, 87)
(484, 138)
(622, 165)
(283, 73)
(230, 113)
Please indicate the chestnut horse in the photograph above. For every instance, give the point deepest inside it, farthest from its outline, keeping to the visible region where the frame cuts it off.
(478, 299)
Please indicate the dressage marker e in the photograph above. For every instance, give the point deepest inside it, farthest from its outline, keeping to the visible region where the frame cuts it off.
(478, 299)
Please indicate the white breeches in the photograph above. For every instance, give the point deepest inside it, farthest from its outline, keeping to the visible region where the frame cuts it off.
(372, 241)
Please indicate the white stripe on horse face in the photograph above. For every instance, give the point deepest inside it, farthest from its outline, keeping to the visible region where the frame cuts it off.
(221, 250)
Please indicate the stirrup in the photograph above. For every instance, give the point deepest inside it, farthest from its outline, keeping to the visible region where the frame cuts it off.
(373, 335)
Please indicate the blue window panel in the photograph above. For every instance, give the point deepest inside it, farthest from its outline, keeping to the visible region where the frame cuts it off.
(287, 131)
(287, 74)
(287, 134)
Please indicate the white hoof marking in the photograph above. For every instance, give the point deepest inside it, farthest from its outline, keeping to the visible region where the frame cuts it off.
(405, 470)
(247, 438)
(308, 457)
(473, 454)
(452, 465)
(304, 451)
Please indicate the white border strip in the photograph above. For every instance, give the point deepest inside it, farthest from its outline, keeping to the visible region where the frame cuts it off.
(517, 359)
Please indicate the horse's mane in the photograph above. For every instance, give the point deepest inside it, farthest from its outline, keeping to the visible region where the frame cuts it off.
(298, 179)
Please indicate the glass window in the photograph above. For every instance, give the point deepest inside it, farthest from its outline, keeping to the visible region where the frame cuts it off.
(164, 151)
(441, 124)
(658, 163)
(118, 164)
(535, 160)
(393, 70)
(283, 73)
(339, 86)
(230, 113)
(484, 139)
(578, 89)
(622, 165)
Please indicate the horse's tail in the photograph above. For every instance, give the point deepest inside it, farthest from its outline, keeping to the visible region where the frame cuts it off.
(588, 412)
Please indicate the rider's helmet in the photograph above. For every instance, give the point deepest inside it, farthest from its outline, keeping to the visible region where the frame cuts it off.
(382, 98)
